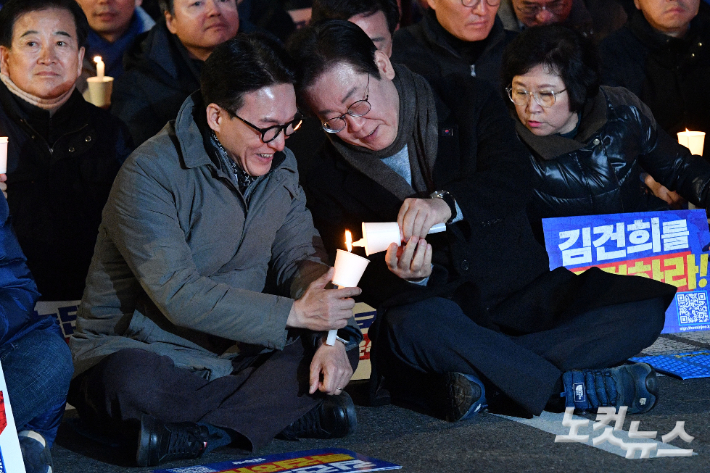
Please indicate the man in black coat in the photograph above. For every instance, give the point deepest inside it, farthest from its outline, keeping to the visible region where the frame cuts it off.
(63, 152)
(453, 38)
(662, 56)
(163, 66)
(474, 310)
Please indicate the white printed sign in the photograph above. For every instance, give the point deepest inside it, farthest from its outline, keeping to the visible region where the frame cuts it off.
(10, 454)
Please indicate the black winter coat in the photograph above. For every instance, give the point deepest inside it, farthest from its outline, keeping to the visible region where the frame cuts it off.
(599, 171)
(60, 170)
(429, 50)
(159, 76)
(670, 75)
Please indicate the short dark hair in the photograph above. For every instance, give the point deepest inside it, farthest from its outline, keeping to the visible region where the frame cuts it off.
(167, 6)
(328, 43)
(241, 65)
(561, 50)
(346, 9)
(16, 8)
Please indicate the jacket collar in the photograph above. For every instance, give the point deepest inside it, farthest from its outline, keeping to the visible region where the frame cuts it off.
(655, 40)
(68, 118)
(437, 35)
(594, 116)
(162, 49)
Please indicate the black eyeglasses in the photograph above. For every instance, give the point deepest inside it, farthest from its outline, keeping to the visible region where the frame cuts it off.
(556, 8)
(356, 110)
(271, 133)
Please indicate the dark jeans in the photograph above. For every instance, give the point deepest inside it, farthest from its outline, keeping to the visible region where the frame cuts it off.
(264, 394)
(37, 368)
(435, 336)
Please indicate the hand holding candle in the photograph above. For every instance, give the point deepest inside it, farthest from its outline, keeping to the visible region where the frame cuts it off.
(377, 236)
(320, 309)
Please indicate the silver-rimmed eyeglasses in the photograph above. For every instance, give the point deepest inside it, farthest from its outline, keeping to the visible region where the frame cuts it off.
(544, 98)
(271, 133)
(355, 110)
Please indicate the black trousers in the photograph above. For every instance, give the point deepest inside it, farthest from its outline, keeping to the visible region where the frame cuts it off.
(435, 336)
(264, 394)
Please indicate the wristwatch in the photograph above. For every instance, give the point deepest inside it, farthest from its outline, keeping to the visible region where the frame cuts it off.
(449, 199)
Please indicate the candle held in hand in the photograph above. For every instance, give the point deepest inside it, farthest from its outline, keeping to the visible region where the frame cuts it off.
(100, 67)
(348, 271)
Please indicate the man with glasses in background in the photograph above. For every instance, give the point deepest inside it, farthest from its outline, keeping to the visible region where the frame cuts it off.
(455, 36)
(595, 20)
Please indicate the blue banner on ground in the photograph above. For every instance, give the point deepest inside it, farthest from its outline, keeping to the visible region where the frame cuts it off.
(330, 460)
(670, 246)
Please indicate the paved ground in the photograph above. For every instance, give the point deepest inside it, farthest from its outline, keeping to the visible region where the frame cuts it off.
(488, 443)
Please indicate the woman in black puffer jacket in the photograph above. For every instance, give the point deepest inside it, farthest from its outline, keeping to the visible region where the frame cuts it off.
(592, 147)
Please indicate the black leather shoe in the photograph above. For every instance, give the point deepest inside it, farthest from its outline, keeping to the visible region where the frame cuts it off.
(333, 418)
(160, 442)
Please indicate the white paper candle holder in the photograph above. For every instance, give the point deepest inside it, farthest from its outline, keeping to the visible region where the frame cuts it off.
(100, 90)
(693, 140)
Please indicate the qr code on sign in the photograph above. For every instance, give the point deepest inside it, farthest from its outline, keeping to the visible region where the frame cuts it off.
(692, 307)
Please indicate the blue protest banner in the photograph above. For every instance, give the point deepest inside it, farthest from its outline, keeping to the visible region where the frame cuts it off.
(669, 246)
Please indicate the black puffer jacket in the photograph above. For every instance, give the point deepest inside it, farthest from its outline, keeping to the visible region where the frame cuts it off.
(599, 171)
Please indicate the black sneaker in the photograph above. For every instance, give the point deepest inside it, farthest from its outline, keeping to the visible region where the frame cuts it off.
(465, 396)
(333, 418)
(35, 452)
(633, 385)
(160, 442)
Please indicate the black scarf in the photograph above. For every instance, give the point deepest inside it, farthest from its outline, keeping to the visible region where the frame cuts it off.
(417, 129)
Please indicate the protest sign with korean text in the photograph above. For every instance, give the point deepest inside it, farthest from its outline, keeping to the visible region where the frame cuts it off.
(331, 460)
(670, 246)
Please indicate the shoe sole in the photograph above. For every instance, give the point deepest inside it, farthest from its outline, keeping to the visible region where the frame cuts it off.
(143, 452)
(346, 402)
(645, 384)
(461, 400)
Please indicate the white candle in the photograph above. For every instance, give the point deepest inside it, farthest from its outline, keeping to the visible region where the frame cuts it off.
(693, 140)
(348, 271)
(100, 67)
(3, 154)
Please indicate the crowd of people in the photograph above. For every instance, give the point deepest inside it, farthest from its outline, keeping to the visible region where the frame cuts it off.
(201, 245)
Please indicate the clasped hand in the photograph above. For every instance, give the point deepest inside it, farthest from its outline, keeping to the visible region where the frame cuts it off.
(321, 309)
(416, 217)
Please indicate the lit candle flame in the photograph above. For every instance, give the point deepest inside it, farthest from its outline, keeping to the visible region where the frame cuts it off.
(97, 59)
(349, 240)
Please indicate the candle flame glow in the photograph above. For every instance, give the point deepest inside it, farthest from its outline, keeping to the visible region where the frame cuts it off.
(97, 59)
(349, 240)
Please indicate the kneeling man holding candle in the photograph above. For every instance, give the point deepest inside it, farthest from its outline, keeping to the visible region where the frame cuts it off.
(472, 316)
(206, 305)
